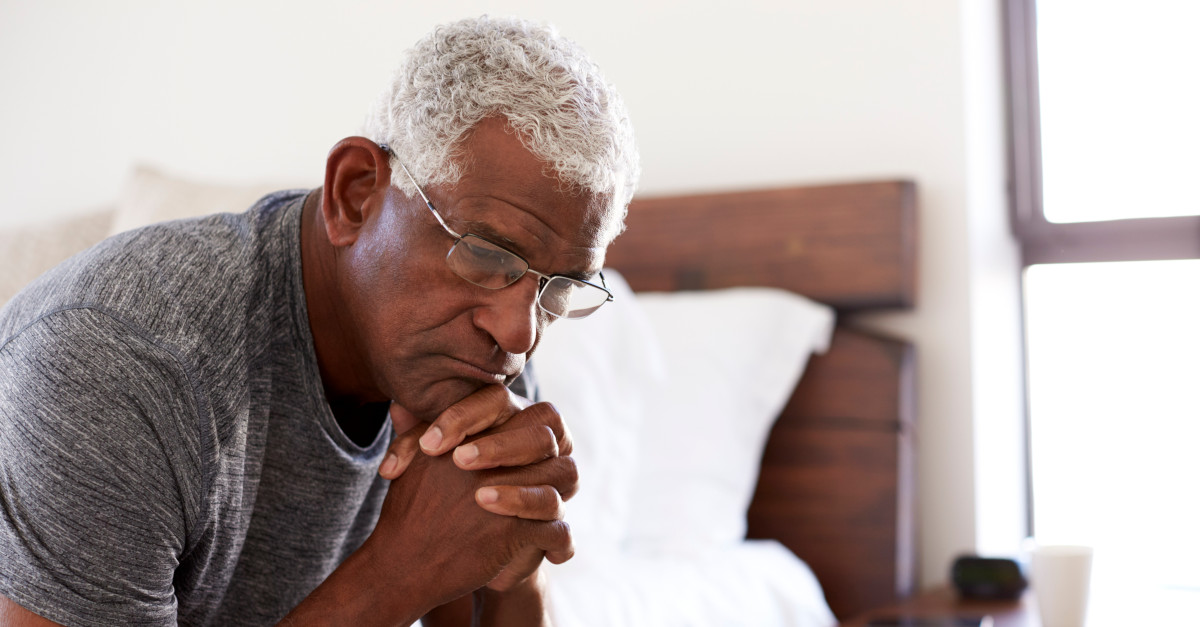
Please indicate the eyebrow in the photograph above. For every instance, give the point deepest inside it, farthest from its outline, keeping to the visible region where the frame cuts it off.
(485, 230)
(580, 276)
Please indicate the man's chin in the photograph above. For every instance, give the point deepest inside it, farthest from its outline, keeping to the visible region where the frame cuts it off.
(439, 396)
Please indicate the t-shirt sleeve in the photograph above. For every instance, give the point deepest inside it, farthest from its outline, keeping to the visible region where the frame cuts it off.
(93, 521)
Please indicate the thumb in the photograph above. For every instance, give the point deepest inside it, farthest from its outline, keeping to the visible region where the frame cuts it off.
(402, 419)
(405, 445)
(525, 564)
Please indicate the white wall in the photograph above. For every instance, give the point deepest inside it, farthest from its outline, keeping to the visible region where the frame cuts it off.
(724, 96)
(994, 294)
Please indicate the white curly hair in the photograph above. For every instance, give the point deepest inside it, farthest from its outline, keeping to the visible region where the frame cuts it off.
(551, 93)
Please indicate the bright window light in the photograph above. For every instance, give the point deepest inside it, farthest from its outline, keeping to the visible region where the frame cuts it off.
(1119, 100)
(1114, 374)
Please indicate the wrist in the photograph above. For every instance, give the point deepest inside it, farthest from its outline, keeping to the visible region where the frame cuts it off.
(522, 604)
(363, 591)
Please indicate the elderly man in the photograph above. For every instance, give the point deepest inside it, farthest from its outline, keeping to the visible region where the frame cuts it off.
(194, 416)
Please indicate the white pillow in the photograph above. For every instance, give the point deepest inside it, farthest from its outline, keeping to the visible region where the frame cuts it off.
(28, 250)
(733, 358)
(150, 196)
(596, 372)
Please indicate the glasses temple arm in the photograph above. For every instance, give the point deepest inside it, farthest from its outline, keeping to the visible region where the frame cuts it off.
(425, 198)
(605, 285)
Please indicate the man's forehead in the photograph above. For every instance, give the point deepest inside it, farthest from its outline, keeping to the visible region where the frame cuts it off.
(573, 246)
(499, 170)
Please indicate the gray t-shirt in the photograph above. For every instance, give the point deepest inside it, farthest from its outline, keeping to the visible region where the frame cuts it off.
(166, 450)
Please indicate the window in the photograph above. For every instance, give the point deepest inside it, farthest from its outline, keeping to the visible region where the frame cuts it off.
(1105, 151)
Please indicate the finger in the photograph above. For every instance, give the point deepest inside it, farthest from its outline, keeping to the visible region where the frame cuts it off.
(557, 472)
(402, 419)
(543, 414)
(555, 539)
(401, 451)
(489, 406)
(525, 564)
(520, 447)
(539, 502)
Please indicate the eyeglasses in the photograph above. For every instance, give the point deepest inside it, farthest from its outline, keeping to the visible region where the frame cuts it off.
(494, 267)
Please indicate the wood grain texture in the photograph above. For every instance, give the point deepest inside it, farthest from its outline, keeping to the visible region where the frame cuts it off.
(851, 246)
(944, 601)
(836, 485)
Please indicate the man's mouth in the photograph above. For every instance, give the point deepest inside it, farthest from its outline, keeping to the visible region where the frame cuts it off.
(484, 373)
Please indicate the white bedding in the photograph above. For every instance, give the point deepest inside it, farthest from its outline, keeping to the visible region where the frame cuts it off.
(670, 398)
(753, 584)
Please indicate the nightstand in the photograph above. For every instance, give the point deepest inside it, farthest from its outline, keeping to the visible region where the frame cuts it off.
(944, 601)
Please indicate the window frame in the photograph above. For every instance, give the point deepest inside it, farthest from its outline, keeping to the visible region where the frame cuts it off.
(1042, 241)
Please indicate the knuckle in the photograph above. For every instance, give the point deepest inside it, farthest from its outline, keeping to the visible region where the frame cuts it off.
(557, 504)
(547, 414)
(570, 477)
(543, 413)
(453, 419)
(566, 443)
(547, 497)
(562, 535)
(552, 418)
(549, 409)
(543, 441)
(569, 468)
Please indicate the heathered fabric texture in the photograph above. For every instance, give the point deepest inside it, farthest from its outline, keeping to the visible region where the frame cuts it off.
(166, 451)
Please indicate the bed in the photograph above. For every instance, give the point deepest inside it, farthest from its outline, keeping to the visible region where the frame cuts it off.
(835, 484)
(831, 477)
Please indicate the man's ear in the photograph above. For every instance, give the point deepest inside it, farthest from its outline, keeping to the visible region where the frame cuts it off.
(357, 178)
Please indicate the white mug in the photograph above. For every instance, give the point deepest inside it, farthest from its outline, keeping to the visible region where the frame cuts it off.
(1061, 577)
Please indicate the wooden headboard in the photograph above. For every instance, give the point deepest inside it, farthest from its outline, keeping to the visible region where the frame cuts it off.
(836, 485)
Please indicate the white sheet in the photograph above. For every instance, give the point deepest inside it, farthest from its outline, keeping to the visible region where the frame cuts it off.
(755, 584)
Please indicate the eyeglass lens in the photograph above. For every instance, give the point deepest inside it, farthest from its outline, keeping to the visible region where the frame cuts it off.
(487, 265)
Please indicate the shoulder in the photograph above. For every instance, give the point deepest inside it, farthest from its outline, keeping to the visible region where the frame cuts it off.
(103, 388)
(100, 466)
(171, 275)
(83, 389)
(84, 347)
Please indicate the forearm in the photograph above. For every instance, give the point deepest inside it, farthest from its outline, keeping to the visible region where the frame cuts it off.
(360, 593)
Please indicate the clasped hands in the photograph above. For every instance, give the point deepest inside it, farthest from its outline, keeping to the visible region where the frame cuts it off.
(489, 512)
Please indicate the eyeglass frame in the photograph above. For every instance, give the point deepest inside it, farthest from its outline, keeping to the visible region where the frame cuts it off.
(543, 278)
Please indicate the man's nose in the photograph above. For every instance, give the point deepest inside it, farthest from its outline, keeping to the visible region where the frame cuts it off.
(511, 315)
